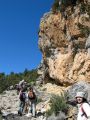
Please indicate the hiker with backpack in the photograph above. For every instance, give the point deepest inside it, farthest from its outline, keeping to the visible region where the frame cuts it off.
(32, 102)
(83, 106)
(23, 100)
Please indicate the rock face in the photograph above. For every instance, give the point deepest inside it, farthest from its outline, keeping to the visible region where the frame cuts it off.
(64, 42)
(80, 86)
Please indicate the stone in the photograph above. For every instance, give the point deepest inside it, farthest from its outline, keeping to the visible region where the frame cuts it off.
(65, 46)
(79, 86)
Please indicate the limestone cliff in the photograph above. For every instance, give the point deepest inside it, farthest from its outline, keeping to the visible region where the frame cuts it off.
(64, 40)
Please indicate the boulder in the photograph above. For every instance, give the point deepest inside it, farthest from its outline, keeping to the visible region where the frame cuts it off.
(80, 86)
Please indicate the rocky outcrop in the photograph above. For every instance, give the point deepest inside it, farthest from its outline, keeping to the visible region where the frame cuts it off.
(80, 86)
(64, 42)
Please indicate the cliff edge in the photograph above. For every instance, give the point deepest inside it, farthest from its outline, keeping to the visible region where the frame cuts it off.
(64, 40)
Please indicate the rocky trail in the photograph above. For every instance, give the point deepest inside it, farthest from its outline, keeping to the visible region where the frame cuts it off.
(17, 117)
(64, 40)
(10, 103)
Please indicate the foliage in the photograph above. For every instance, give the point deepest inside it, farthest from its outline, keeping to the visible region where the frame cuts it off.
(14, 78)
(85, 8)
(55, 6)
(62, 6)
(57, 104)
(39, 100)
(85, 30)
(0, 117)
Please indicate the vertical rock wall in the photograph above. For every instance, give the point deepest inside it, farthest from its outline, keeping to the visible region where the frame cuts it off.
(64, 40)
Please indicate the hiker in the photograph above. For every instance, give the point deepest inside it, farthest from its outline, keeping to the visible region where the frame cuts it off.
(83, 106)
(20, 85)
(32, 101)
(23, 100)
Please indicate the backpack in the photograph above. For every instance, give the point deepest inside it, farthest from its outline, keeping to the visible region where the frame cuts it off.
(22, 96)
(31, 95)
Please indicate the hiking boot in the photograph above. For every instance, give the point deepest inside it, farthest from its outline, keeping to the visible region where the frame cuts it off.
(19, 113)
(28, 115)
(34, 116)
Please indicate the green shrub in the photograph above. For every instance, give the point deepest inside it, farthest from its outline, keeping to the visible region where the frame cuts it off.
(85, 8)
(85, 30)
(39, 100)
(64, 3)
(57, 104)
(55, 6)
(0, 117)
(29, 76)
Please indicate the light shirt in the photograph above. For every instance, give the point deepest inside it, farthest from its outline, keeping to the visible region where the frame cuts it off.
(86, 108)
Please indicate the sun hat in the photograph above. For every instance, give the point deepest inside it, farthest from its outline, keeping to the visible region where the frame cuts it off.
(81, 94)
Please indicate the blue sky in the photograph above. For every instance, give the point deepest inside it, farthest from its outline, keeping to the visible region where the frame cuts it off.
(19, 25)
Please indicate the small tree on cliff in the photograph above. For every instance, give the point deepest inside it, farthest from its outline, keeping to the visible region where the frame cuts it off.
(55, 6)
